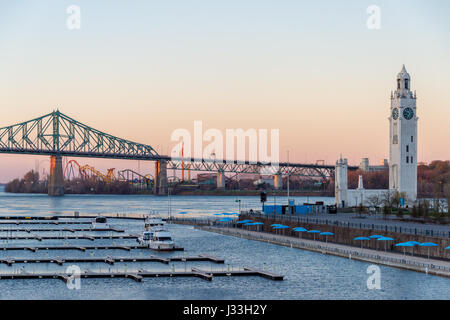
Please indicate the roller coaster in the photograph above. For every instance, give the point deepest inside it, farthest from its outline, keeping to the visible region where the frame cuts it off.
(74, 170)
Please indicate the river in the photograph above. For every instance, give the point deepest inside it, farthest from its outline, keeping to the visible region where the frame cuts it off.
(308, 275)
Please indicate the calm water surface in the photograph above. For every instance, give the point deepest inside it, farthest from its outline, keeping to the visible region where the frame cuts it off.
(308, 275)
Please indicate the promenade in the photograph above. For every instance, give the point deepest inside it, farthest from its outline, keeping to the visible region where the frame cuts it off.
(397, 260)
(373, 222)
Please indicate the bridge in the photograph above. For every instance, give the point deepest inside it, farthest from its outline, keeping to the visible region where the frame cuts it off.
(57, 135)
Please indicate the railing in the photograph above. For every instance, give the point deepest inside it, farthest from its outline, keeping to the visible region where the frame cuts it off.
(355, 253)
(348, 224)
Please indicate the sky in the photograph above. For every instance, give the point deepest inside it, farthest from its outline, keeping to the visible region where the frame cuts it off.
(312, 69)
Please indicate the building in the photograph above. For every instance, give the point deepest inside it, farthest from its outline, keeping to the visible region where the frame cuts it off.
(365, 166)
(402, 152)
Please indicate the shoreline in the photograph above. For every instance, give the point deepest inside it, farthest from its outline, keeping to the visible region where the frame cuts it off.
(405, 262)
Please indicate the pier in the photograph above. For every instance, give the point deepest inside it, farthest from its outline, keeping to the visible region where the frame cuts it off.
(84, 236)
(110, 260)
(73, 230)
(137, 276)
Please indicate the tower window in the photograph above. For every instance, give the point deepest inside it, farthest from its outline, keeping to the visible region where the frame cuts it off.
(407, 148)
(407, 159)
(411, 159)
(407, 84)
(412, 138)
(398, 83)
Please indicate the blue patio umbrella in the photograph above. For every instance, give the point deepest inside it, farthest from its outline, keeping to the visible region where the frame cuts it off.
(217, 214)
(326, 234)
(254, 224)
(404, 245)
(182, 212)
(314, 233)
(414, 242)
(448, 248)
(385, 239)
(428, 245)
(226, 214)
(299, 230)
(275, 225)
(226, 220)
(375, 236)
(361, 239)
(281, 227)
(243, 221)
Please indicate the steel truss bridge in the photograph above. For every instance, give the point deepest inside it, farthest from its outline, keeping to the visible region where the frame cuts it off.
(56, 134)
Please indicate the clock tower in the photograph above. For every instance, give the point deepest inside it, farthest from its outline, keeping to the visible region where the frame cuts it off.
(403, 138)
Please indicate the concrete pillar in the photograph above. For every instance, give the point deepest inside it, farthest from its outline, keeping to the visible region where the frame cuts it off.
(360, 182)
(341, 183)
(162, 183)
(156, 179)
(56, 179)
(278, 181)
(220, 180)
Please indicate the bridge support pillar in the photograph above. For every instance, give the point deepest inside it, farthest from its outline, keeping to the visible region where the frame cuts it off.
(278, 181)
(220, 180)
(160, 186)
(56, 179)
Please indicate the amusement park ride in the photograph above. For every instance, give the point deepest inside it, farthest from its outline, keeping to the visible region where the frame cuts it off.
(74, 170)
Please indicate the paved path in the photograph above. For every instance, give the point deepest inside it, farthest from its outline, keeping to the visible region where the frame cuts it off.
(377, 222)
(398, 260)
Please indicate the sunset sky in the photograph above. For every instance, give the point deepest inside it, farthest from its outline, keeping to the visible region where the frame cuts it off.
(312, 69)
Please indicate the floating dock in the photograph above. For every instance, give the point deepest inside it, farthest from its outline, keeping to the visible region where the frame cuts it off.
(73, 230)
(137, 276)
(54, 222)
(80, 248)
(110, 260)
(84, 236)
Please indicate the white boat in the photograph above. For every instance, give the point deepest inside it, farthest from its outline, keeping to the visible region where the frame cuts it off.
(100, 222)
(154, 223)
(156, 236)
(157, 240)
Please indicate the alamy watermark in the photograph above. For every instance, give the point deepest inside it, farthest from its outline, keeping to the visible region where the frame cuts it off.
(73, 21)
(211, 144)
(374, 19)
(374, 280)
(74, 279)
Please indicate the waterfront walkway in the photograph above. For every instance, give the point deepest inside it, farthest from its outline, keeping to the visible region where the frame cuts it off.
(373, 222)
(408, 262)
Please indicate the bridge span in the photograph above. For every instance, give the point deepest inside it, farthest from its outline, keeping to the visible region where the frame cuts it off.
(57, 135)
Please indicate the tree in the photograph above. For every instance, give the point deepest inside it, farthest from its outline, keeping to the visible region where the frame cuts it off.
(387, 200)
(374, 201)
(447, 196)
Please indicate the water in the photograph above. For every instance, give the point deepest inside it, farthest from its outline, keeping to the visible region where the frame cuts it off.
(308, 275)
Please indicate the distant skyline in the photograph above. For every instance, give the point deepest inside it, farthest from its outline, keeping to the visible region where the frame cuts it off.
(312, 69)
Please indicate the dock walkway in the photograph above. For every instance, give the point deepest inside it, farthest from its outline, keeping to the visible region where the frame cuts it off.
(109, 260)
(137, 276)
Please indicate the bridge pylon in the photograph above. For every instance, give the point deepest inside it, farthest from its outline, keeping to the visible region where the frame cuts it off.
(160, 185)
(56, 179)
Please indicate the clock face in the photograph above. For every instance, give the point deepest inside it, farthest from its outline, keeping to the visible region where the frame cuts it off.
(408, 113)
(395, 113)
